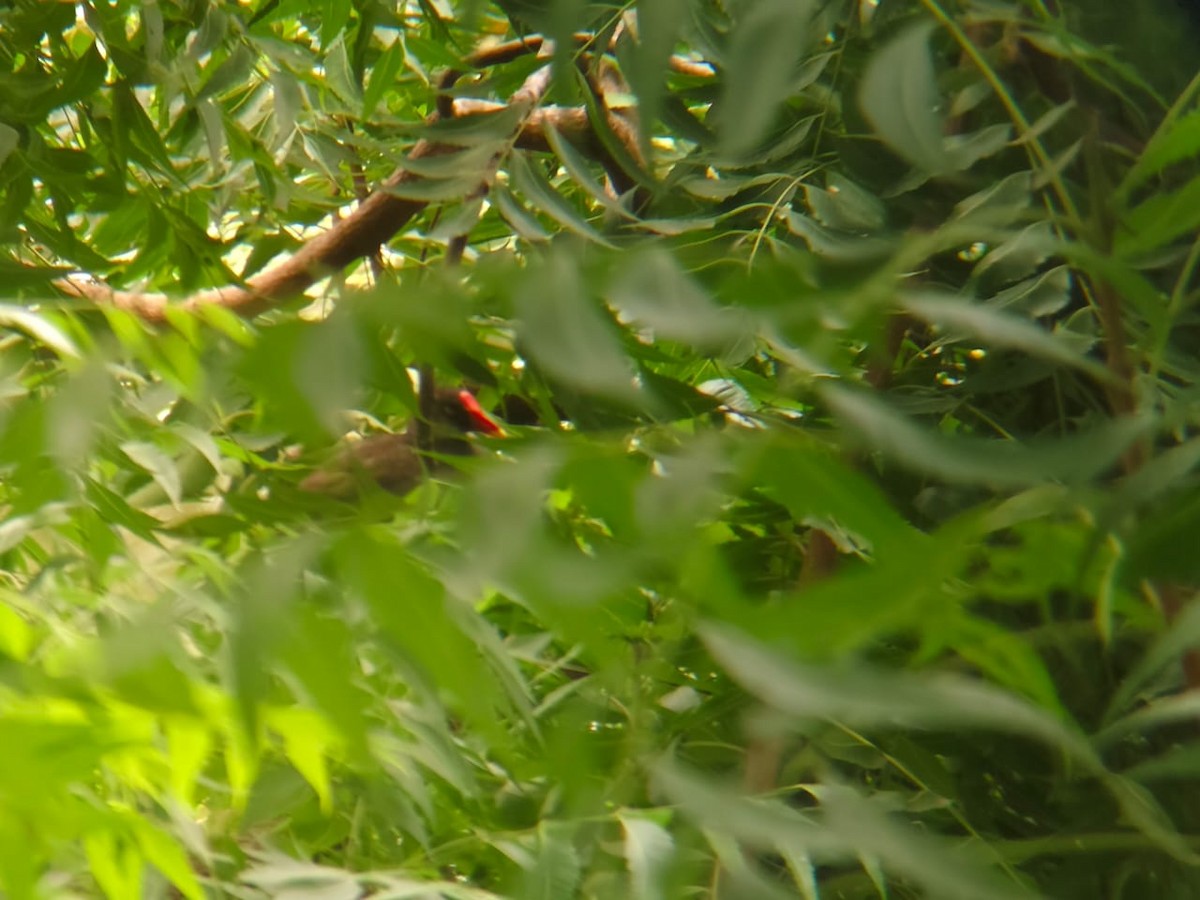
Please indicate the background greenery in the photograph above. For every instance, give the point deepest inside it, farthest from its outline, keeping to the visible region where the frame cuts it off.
(861, 569)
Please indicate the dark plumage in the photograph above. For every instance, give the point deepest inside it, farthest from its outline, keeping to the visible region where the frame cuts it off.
(394, 461)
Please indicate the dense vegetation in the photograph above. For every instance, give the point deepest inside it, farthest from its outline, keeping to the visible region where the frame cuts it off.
(842, 539)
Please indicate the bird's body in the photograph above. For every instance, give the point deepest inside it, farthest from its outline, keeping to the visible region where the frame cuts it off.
(398, 462)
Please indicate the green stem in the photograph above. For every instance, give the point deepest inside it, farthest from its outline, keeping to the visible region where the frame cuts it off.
(1041, 158)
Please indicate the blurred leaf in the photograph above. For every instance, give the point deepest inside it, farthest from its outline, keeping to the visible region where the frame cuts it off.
(1159, 548)
(900, 99)
(577, 167)
(524, 225)
(1179, 142)
(1044, 294)
(166, 856)
(1002, 203)
(159, 465)
(659, 22)
(566, 333)
(115, 864)
(768, 38)
(39, 328)
(555, 867)
(852, 827)
(813, 484)
(997, 329)
(338, 72)
(306, 741)
(652, 291)
(421, 624)
(466, 131)
(965, 150)
(968, 460)
(295, 880)
(1162, 218)
(649, 850)
(16, 636)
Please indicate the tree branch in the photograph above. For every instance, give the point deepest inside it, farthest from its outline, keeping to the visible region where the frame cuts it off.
(382, 214)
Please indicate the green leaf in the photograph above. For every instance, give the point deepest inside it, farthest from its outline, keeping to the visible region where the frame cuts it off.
(967, 149)
(1165, 217)
(421, 624)
(839, 248)
(654, 292)
(158, 464)
(658, 22)
(470, 163)
(899, 97)
(9, 138)
(114, 863)
(167, 856)
(999, 204)
(649, 851)
(16, 636)
(39, 328)
(465, 131)
(1042, 295)
(765, 48)
(845, 827)
(813, 484)
(338, 73)
(306, 743)
(524, 223)
(1179, 142)
(863, 697)
(334, 16)
(434, 190)
(1159, 549)
(232, 72)
(283, 877)
(382, 77)
(555, 869)
(577, 167)
(997, 329)
(844, 206)
(567, 334)
(1072, 460)
(532, 183)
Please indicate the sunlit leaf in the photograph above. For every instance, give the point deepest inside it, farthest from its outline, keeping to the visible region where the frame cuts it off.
(161, 467)
(649, 849)
(39, 328)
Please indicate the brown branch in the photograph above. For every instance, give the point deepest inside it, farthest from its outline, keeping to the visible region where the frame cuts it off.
(369, 226)
(360, 234)
(383, 213)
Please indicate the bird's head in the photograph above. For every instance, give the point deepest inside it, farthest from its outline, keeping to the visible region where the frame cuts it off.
(458, 409)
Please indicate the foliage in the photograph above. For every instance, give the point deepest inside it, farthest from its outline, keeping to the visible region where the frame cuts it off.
(842, 545)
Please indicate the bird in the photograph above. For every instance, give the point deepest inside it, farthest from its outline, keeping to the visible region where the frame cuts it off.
(397, 463)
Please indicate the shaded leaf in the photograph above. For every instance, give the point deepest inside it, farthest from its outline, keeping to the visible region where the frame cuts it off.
(768, 38)
(1073, 459)
(900, 99)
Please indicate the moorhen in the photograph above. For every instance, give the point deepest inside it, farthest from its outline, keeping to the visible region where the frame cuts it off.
(395, 461)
